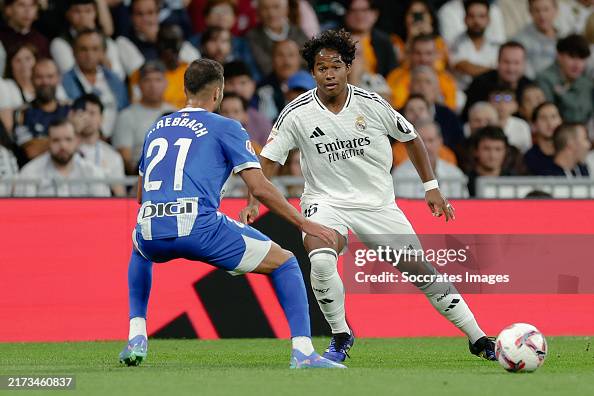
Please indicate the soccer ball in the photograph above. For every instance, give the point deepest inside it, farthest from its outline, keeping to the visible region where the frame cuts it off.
(521, 347)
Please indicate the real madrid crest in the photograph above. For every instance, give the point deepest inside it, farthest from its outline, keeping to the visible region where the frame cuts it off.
(360, 123)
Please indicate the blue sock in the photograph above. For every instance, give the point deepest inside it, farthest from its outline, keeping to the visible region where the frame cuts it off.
(140, 276)
(290, 290)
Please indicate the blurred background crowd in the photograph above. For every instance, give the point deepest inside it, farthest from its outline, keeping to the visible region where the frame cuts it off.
(496, 88)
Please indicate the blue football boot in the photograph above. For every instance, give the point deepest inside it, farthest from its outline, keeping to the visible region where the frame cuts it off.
(339, 347)
(135, 352)
(301, 361)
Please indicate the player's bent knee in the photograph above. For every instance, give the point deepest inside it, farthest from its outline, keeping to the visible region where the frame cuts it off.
(312, 243)
(275, 258)
(323, 263)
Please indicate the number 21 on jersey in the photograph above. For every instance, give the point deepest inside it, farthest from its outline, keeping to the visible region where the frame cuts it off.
(161, 145)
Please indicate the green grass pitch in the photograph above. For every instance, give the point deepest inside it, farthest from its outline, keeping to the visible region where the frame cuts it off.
(402, 366)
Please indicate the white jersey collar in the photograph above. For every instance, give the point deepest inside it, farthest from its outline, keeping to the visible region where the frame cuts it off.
(346, 104)
(186, 109)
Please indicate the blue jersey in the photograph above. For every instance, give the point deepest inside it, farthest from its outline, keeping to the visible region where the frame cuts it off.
(186, 159)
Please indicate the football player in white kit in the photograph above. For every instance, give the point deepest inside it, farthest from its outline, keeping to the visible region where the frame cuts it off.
(342, 134)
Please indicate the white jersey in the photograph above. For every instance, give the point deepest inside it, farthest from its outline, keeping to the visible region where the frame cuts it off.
(346, 157)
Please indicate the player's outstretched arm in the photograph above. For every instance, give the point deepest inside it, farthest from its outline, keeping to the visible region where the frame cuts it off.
(264, 191)
(435, 200)
(251, 211)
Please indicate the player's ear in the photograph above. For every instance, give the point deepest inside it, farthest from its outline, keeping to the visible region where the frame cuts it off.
(218, 94)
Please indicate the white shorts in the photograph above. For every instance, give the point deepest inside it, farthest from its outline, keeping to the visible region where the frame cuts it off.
(381, 227)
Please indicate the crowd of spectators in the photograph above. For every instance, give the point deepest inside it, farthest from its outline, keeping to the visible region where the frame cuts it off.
(494, 87)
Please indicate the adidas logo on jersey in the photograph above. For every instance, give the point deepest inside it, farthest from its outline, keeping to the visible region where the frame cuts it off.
(317, 133)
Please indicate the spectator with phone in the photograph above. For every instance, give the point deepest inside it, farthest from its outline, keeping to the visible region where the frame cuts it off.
(419, 18)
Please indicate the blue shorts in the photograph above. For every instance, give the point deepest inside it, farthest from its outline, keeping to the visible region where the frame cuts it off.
(227, 244)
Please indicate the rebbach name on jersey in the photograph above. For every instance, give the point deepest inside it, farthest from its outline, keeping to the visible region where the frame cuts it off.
(197, 127)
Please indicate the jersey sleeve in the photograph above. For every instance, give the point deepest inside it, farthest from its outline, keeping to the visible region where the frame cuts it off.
(396, 125)
(280, 141)
(238, 148)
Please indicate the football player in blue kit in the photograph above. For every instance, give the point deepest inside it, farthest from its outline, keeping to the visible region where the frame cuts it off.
(187, 158)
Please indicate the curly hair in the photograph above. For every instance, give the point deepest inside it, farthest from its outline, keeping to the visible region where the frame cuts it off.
(338, 40)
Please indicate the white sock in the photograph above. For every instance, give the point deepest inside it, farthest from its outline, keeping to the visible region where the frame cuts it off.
(137, 327)
(303, 345)
(445, 298)
(328, 289)
(472, 329)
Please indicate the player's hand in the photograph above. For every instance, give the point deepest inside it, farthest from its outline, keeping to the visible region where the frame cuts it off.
(249, 214)
(439, 205)
(328, 235)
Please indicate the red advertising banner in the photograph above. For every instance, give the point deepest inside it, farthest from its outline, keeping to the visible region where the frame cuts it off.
(63, 276)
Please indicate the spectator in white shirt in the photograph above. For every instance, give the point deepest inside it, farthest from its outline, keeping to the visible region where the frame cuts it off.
(473, 52)
(451, 22)
(516, 16)
(86, 116)
(579, 11)
(8, 163)
(407, 183)
(82, 15)
(134, 121)
(61, 171)
(539, 38)
(18, 86)
(516, 129)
